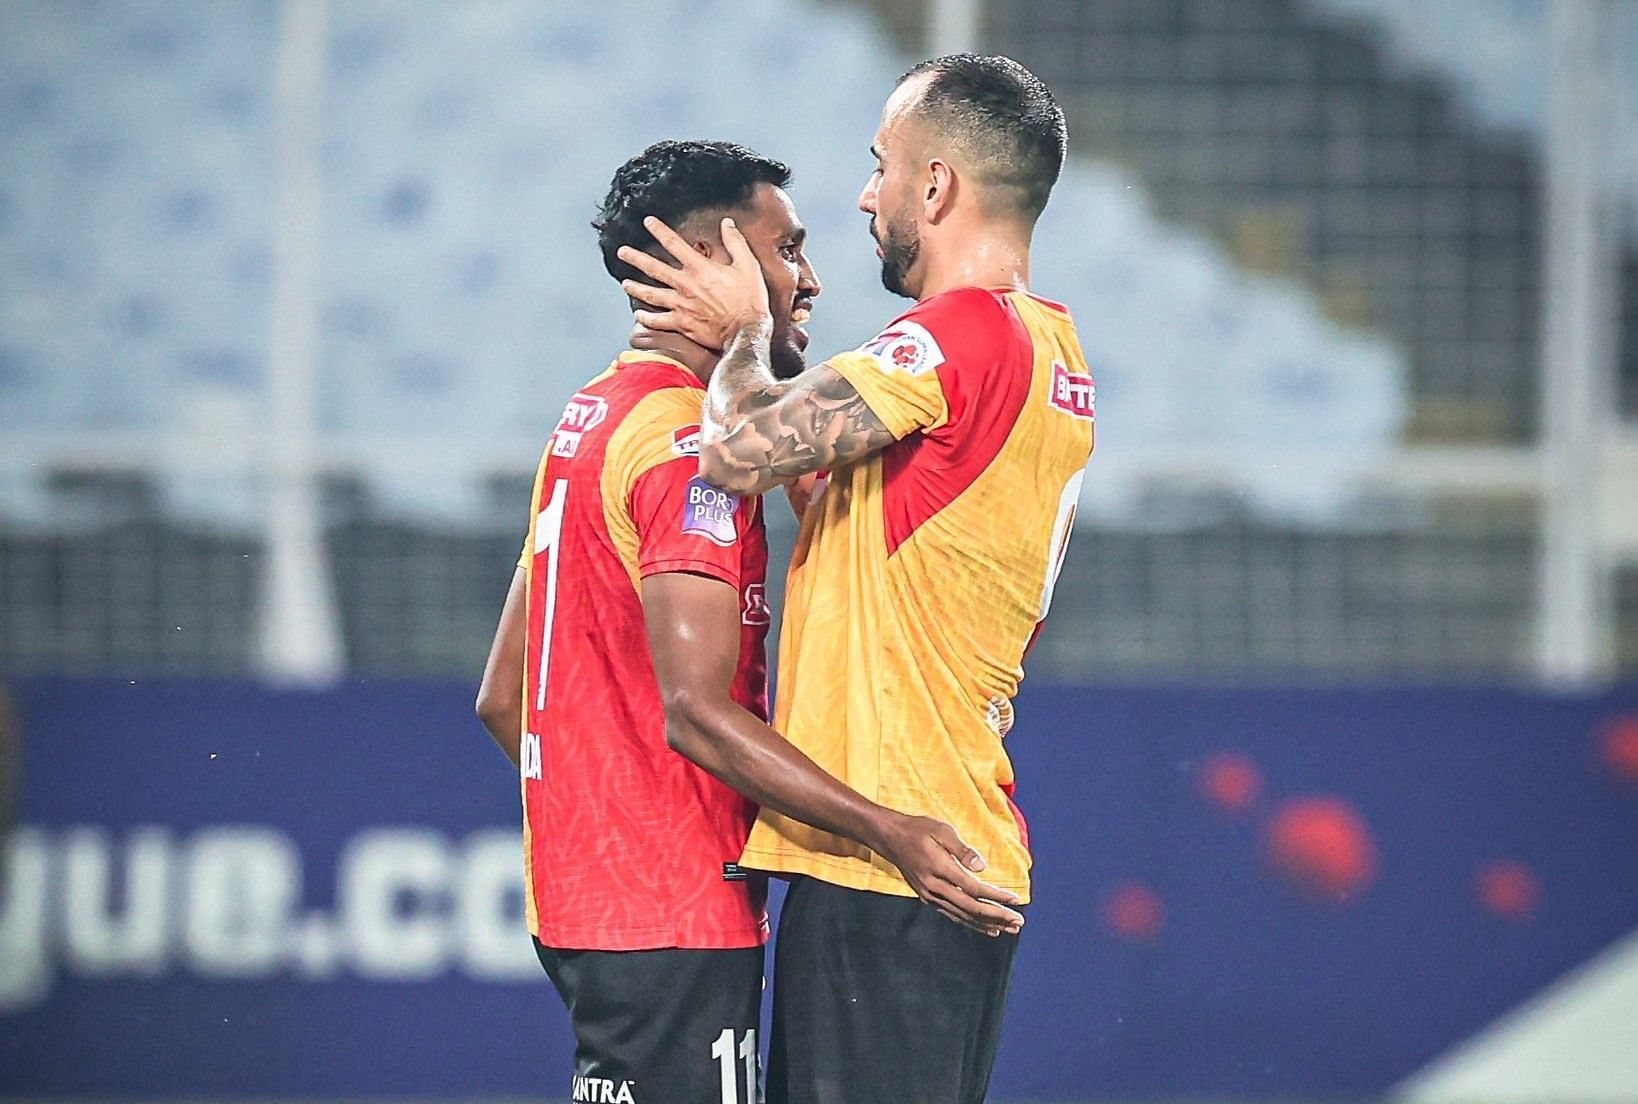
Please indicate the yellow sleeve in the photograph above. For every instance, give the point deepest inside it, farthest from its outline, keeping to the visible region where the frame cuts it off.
(663, 426)
(896, 375)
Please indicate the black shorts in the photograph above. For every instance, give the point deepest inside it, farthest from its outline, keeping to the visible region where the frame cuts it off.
(880, 999)
(661, 1027)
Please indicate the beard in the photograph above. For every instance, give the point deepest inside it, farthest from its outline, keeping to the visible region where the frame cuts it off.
(785, 359)
(901, 246)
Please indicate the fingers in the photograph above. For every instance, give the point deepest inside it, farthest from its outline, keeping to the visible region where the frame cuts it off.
(983, 891)
(739, 250)
(679, 323)
(953, 914)
(979, 902)
(956, 917)
(658, 320)
(970, 860)
(648, 265)
(967, 856)
(970, 902)
(989, 913)
(979, 890)
(981, 916)
(674, 243)
(653, 296)
(944, 878)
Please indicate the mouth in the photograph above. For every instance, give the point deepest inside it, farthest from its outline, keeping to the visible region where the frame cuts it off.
(800, 313)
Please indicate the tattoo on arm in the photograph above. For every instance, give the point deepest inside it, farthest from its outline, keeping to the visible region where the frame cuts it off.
(760, 432)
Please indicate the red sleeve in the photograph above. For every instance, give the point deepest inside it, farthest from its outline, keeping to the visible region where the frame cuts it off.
(685, 524)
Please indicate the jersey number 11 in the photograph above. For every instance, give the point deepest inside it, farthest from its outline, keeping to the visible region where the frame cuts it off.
(723, 1051)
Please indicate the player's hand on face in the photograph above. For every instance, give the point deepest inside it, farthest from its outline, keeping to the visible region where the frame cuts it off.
(706, 301)
(939, 866)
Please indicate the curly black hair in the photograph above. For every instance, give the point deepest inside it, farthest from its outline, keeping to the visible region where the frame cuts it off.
(675, 181)
(1005, 118)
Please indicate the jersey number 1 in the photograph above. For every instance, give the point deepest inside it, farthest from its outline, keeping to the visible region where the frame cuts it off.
(548, 528)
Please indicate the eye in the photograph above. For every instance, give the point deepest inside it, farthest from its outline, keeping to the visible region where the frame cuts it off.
(791, 252)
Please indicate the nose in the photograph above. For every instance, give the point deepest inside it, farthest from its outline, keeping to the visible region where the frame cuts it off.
(867, 198)
(807, 279)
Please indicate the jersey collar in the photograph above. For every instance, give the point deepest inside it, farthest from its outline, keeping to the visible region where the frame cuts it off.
(643, 356)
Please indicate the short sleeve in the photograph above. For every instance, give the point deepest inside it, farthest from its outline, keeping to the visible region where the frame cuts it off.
(901, 373)
(685, 524)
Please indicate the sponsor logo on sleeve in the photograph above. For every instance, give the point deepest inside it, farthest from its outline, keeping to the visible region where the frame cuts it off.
(1073, 393)
(709, 513)
(582, 414)
(686, 441)
(905, 347)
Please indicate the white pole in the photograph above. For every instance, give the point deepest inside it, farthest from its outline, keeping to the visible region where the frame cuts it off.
(954, 26)
(300, 635)
(1575, 591)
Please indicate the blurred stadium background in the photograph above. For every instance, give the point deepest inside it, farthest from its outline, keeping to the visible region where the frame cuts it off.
(1331, 744)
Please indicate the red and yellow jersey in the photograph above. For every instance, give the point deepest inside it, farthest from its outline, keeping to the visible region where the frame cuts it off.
(625, 841)
(922, 573)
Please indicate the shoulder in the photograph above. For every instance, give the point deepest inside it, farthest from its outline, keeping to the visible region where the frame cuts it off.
(661, 424)
(663, 408)
(967, 312)
(972, 305)
(954, 328)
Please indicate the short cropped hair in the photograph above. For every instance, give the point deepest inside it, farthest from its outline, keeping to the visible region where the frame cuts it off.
(1004, 118)
(675, 181)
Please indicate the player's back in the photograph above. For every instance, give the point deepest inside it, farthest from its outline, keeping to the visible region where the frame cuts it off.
(625, 840)
(922, 574)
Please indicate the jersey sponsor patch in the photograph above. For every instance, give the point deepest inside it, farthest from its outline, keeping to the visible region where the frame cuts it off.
(686, 441)
(582, 414)
(905, 347)
(709, 513)
(1073, 394)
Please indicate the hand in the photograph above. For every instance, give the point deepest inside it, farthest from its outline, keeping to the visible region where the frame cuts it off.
(706, 301)
(939, 865)
(803, 490)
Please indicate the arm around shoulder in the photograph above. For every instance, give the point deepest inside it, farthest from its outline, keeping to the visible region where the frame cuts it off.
(815, 422)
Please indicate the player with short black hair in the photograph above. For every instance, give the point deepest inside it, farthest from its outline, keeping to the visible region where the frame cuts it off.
(683, 184)
(956, 440)
(632, 639)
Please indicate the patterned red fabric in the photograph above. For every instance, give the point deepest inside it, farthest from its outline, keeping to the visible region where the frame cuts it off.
(625, 839)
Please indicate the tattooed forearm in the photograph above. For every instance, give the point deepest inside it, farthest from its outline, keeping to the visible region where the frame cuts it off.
(759, 432)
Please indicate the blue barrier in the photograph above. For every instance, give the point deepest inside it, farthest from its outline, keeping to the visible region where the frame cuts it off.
(221, 890)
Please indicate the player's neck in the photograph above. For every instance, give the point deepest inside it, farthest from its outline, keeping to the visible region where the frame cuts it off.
(696, 358)
(988, 260)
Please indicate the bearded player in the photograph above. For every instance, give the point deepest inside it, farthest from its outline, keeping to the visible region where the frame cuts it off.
(956, 441)
(633, 636)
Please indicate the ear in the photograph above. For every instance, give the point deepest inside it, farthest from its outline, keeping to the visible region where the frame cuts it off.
(702, 246)
(939, 194)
